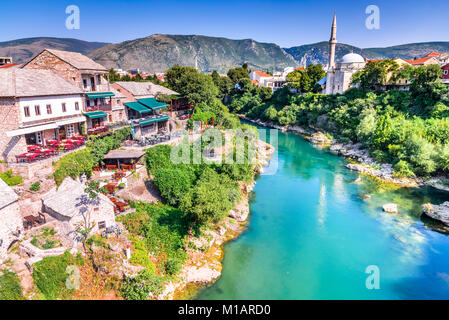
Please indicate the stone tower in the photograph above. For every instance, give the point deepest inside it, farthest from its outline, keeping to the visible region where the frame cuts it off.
(333, 43)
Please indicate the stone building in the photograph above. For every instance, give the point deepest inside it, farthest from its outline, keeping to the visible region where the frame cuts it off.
(10, 219)
(74, 210)
(35, 106)
(100, 104)
(339, 75)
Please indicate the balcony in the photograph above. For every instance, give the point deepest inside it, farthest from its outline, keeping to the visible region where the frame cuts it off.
(102, 107)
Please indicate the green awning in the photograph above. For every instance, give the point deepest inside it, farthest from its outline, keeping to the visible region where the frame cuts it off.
(95, 95)
(95, 114)
(137, 107)
(154, 120)
(152, 103)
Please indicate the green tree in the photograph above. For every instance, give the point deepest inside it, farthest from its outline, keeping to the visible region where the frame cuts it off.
(191, 84)
(239, 73)
(382, 133)
(375, 73)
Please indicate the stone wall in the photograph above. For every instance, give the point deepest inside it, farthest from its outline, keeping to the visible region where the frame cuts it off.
(10, 120)
(34, 169)
(48, 61)
(10, 222)
(26, 248)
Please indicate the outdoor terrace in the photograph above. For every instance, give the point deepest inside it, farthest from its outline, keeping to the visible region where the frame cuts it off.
(52, 148)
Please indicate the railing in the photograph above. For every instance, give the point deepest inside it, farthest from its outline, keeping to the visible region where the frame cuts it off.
(103, 107)
(97, 130)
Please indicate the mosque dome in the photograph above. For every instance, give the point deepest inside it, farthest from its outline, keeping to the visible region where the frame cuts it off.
(352, 58)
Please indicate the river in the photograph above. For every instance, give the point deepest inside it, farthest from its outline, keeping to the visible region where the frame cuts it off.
(312, 235)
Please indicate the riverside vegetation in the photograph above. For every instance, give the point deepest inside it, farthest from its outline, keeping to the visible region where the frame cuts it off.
(406, 128)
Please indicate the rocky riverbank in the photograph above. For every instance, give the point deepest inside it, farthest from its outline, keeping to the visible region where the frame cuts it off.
(205, 254)
(359, 156)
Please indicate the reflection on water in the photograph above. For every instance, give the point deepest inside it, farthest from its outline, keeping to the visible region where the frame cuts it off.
(313, 232)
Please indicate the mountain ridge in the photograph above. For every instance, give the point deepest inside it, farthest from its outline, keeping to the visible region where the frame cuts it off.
(158, 52)
(24, 49)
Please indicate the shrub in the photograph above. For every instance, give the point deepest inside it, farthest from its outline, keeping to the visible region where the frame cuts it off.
(158, 157)
(172, 266)
(140, 287)
(49, 276)
(402, 170)
(211, 198)
(35, 186)
(73, 165)
(10, 288)
(174, 183)
(10, 179)
(141, 255)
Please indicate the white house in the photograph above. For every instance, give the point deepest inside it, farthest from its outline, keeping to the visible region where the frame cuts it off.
(35, 106)
(265, 80)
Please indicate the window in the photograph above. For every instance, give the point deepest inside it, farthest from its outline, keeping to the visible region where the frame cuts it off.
(70, 130)
(77, 106)
(48, 108)
(37, 110)
(85, 83)
(98, 79)
(26, 111)
(101, 224)
(446, 72)
(64, 109)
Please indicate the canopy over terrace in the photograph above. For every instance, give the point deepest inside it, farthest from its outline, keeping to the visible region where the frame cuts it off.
(152, 103)
(123, 158)
(138, 107)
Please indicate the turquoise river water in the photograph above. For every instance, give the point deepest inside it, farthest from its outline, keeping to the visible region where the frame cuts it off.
(312, 236)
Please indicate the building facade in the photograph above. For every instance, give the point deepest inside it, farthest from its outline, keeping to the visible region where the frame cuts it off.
(36, 106)
(99, 102)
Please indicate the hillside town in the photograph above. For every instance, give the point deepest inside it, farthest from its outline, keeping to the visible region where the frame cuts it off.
(85, 167)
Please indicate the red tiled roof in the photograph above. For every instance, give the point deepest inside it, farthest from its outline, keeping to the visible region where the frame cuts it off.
(433, 54)
(374, 60)
(5, 66)
(255, 81)
(419, 61)
(300, 68)
(262, 74)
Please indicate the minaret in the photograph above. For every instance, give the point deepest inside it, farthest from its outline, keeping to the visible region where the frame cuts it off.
(333, 43)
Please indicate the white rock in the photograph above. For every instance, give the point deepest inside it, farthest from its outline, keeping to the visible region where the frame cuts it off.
(390, 208)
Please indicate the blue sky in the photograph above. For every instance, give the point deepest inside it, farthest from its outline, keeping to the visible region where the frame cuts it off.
(285, 22)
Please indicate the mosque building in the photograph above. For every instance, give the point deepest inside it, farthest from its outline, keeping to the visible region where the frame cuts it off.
(339, 74)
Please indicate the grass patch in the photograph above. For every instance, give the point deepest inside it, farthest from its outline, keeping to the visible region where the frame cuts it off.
(50, 276)
(10, 288)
